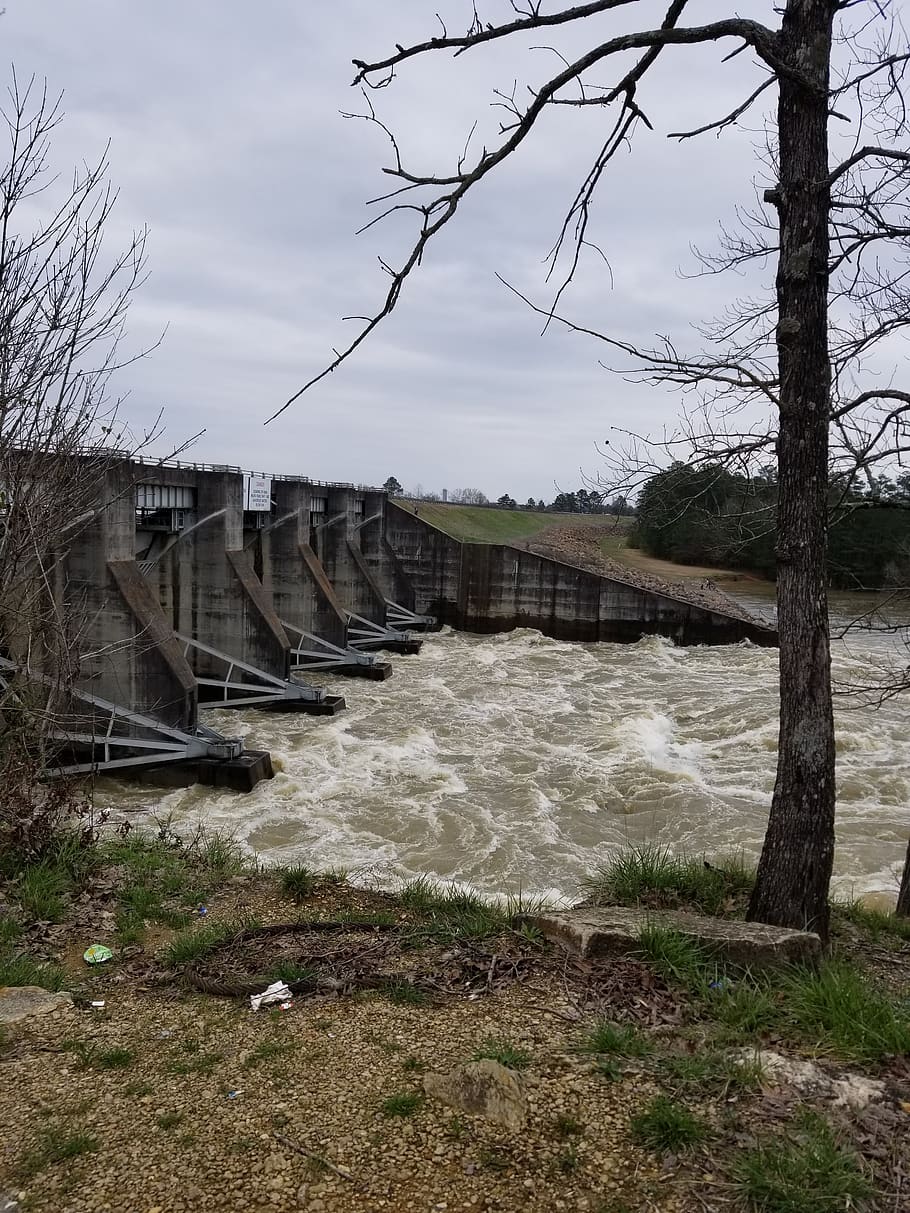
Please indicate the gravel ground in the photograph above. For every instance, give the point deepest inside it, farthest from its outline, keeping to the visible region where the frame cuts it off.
(172, 1137)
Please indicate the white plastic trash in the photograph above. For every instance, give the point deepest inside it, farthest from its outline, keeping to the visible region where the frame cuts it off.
(276, 992)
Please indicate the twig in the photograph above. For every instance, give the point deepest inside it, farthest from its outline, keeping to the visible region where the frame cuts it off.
(319, 1159)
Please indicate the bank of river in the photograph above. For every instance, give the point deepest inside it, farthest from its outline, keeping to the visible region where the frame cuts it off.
(519, 761)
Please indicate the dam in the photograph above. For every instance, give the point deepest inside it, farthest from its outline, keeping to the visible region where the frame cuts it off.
(191, 584)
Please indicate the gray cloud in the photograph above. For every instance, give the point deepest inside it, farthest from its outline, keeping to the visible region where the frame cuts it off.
(227, 141)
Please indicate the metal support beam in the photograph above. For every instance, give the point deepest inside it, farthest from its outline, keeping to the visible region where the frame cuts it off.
(398, 616)
(242, 685)
(314, 653)
(123, 738)
(364, 634)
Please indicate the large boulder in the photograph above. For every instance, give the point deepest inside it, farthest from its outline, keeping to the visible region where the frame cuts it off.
(599, 931)
(22, 1002)
(481, 1088)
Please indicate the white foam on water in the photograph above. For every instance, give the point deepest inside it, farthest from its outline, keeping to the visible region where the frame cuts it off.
(519, 761)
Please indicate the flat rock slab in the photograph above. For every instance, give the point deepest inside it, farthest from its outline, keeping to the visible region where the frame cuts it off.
(481, 1088)
(606, 930)
(22, 1002)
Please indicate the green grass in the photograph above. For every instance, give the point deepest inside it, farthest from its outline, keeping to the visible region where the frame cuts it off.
(42, 891)
(606, 1038)
(56, 1144)
(10, 930)
(192, 945)
(335, 876)
(503, 1052)
(876, 923)
(447, 913)
(297, 882)
(16, 970)
(269, 1050)
(840, 1007)
(654, 876)
(403, 1103)
(169, 1120)
(835, 1007)
(406, 994)
(566, 1127)
(805, 1172)
(667, 1125)
(477, 524)
(675, 956)
(288, 971)
(196, 1063)
(567, 1160)
(366, 918)
(166, 872)
(709, 1073)
(90, 1057)
(114, 1059)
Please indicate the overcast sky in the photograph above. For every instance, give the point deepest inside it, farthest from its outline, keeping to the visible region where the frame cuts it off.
(226, 140)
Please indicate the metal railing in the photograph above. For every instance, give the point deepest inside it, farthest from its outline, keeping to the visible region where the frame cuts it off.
(231, 469)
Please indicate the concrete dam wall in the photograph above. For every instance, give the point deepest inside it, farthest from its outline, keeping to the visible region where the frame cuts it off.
(191, 584)
(494, 587)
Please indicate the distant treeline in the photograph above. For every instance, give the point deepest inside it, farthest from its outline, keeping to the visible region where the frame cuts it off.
(711, 516)
(582, 501)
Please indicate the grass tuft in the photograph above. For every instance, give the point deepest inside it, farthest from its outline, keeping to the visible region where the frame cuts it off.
(269, 1050)
(406, 994)
(606, 1038)
(297, 882)
(403, 1103)
(876, 923)
(503, 1052)
(42, 891)
(449, 913)
(192, 945)
(19, 970)
(710, 1073)
(56, 1144)
(667, 1125)
(806, 1172)
(674, 956)
(837, 1005)
(288, 972)
(654, 876)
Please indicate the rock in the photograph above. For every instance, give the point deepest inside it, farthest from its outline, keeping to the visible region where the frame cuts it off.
(21, 1002)
(8, 1204)
(848, 1090)
(482, 1088)
(599, 931)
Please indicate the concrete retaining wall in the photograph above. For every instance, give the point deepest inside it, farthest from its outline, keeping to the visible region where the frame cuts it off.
(494, 588)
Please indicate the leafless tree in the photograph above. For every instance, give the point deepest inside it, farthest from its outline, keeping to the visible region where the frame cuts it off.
(63, 303)
(468, 497)
(833, 224)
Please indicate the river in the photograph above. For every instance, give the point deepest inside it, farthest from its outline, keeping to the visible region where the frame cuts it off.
(517, 761)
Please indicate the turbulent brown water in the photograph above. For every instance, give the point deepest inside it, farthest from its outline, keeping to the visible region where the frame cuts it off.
(516, 761)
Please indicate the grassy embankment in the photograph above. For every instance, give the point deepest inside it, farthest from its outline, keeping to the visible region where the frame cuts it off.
(646, 1098)
(477, 524)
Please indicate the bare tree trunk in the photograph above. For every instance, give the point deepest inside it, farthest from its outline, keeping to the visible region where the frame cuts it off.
(797, 857)
(903, 897)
